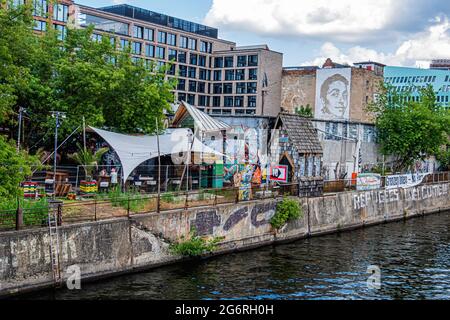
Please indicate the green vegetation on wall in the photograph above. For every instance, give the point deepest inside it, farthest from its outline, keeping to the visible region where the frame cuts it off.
(287, 210)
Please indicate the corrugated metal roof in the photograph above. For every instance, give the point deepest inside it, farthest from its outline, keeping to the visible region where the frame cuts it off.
(202, 121)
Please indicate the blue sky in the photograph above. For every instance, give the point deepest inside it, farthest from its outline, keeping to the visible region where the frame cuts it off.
(395, 32)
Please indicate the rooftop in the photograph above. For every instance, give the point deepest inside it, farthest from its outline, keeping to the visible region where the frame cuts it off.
(133, 12)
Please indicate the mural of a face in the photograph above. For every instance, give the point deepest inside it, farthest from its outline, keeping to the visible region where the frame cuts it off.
(335, 96)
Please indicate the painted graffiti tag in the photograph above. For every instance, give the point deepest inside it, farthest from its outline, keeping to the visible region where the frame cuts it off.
(235, 218)
(205, 222)
(266, 209)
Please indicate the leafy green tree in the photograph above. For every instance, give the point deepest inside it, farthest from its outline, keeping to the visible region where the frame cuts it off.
(306, 112)
(14, 169)
(410, 130)
(80, 76)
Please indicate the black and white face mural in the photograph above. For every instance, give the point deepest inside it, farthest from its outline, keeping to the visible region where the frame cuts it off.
(333, 94)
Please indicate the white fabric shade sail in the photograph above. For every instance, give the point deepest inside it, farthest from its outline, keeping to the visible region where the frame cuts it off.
(135, 150)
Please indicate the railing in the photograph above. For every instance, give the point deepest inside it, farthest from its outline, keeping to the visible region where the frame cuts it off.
(126, 205)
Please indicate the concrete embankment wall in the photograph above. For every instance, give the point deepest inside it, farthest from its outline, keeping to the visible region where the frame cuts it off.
(106, 248)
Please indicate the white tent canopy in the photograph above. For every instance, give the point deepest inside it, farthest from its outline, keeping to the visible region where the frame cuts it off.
(135, 150)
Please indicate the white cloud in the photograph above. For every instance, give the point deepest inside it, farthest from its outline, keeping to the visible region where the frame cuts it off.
(345, 20)
(434, 43)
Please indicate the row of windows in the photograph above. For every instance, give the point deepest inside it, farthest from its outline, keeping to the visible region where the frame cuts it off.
(218, 88)
(235, 75)
(227, 101)
(229, 112)
(171, 39)
(40, 9)
(338, 131)
(411, 79)
(240, 62)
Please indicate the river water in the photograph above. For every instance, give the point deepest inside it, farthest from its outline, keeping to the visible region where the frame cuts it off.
(413, 257)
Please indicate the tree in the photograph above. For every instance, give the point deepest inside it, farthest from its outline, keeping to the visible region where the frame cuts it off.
(80, 76)
(14, 169)
(88, 160)
(407, 129)
(306, 112)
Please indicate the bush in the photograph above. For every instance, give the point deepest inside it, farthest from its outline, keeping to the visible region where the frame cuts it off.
(287, 210)
(34, 212)
(195, 246)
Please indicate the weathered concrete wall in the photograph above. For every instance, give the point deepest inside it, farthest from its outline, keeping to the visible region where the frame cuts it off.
(121, 245)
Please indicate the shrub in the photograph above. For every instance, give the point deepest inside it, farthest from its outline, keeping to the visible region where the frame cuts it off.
(194, 246)
(287, 210)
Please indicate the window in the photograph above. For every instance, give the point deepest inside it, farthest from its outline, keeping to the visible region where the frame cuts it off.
(171, 70)
(182, 56)
(218, 62)
(40, 25)
(96, 37)
(192, 72)
(171, 39)
(217, 88)
(148, 34)
(369, 134)
(240, 74)
(124, 44)
(229, 75)
(191, 99)
(239, 101)
(242, 61)
(201, 87)
(182, 71)
(204, 46)
(331, 129)
(192, 44)
(227, 88)
(138, 32)
(193, 58)
(228, 102)
(136, 48)
(192, 86)
(240, 88)
(183, 42)
(251, 87)
(216, 101)
(181, 86)
(203, 74)
(253, 74)
(172, 54)
(62, 31)
(203, 101)
(103, 24)
(40, 8)
(160, 52)
(252, 61)
(60, 12)
(162, 37)
(229, 62)
(150, 51)
(181, 96)
(251, 102)
(217, 75)
(202, 61)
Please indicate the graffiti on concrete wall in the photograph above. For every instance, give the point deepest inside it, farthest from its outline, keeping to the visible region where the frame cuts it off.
(267, 210)
(365, 199)
(235, 218)
(205, 222)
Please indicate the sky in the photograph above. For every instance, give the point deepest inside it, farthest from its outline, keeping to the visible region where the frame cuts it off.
(393, 32)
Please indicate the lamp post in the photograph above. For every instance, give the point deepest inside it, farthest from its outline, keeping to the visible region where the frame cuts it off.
(158, 205)
(21, 112)
(58, 118)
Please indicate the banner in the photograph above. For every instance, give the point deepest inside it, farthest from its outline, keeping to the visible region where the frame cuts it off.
(368, 181)
(405, 180)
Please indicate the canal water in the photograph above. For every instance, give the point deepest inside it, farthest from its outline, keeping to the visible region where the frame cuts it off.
(413, 258)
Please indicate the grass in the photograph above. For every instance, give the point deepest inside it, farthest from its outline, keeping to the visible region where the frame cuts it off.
(133, 198)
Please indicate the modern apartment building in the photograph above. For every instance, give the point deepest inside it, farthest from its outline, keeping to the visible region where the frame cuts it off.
(413, 79)
(214, 75)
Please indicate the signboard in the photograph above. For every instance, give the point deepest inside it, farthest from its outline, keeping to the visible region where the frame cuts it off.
(279, 173)
(368, 181)
(333, 89)
(405, 180)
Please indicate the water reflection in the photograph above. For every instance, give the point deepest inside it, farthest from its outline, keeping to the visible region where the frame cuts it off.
(414, 258)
